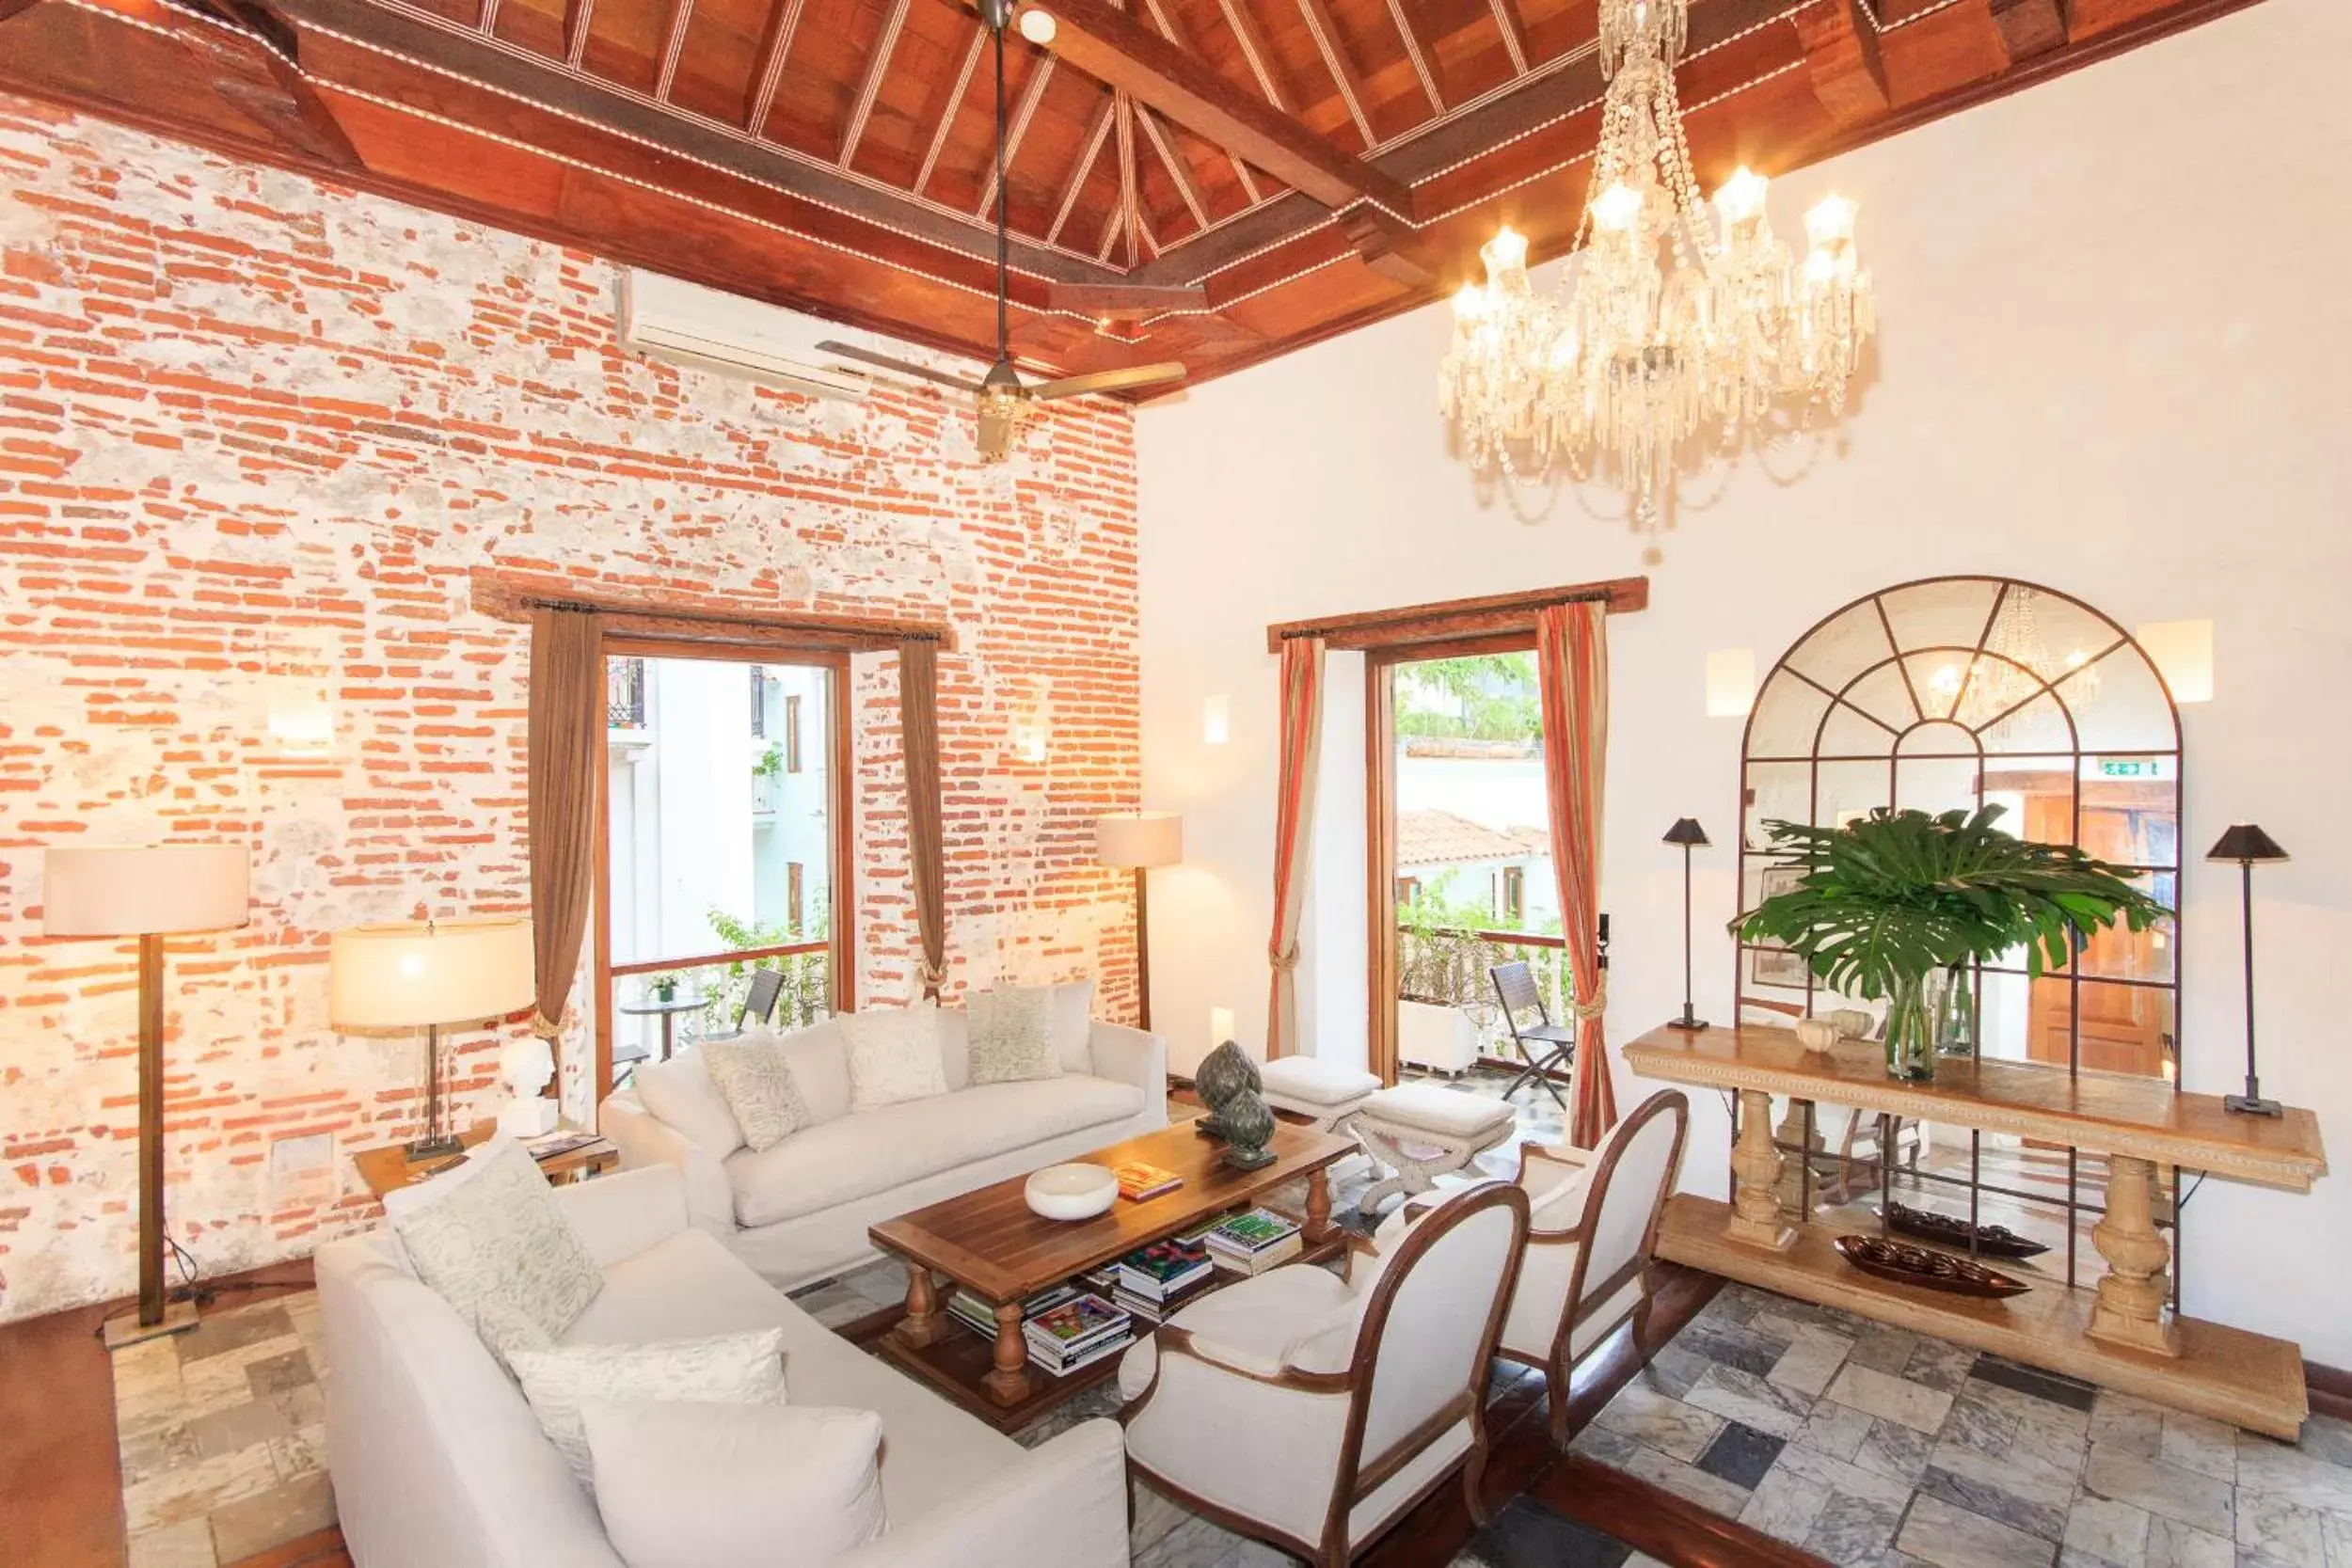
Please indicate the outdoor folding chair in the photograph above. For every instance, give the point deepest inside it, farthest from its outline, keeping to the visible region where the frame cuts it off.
(1543, 1045)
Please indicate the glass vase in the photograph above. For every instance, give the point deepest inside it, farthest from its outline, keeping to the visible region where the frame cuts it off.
(1911, 1014)
(1955, 1015)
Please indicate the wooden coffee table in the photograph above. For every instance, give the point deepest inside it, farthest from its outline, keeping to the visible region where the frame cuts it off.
(988, 1242)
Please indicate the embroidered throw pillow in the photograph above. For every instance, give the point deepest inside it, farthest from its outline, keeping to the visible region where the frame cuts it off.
(1012, 1035)
(894, 1055)
(490, 1239)
(686, 1485)
(724, 1368)
(757, 1084)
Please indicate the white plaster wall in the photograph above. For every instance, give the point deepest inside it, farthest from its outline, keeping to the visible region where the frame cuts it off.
(2113, 361)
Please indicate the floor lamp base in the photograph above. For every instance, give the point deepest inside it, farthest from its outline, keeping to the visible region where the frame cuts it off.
(2251, 1106)
(123, 1330)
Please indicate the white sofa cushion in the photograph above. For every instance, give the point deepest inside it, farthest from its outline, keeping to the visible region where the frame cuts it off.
(894, 1055)
(819, 1059)
(680, 1093)
(489, 1238)
(688, 1486)
(1074, 1024)
(875, 1150)
(727, 1369)
(1012, 1035)
(756, 1082)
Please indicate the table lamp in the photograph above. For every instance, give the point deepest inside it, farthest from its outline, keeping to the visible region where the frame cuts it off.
(1686, 833)
(421, 975)
(2249, 845)
(149, 892)
(1138, 841)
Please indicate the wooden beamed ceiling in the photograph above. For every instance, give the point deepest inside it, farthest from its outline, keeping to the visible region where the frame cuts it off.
(1217, 181)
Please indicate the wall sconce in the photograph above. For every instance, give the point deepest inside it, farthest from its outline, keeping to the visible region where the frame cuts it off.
(1217, 720)
(1730, 683)
(2183, 650)
(1029, 721)
(297, 695)
(1220, 1026)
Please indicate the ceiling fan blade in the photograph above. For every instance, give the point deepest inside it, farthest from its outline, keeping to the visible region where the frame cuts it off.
(1107, 381)
(925, 372)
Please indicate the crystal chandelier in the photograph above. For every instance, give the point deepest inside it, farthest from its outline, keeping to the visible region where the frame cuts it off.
(1679, 322)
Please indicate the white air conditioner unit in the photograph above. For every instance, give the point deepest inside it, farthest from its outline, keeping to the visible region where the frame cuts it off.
(689, 325)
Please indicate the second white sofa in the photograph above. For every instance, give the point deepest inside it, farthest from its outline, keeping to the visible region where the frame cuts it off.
(799, 1211)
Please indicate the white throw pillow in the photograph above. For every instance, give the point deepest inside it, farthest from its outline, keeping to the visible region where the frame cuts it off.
(680, 1094)
(819, 1059)
(757, 1084)
(1012, 1035)
(894, 1055)
(490, 1239)
(726, 1368)
(690, 1485)
(1074, 1024)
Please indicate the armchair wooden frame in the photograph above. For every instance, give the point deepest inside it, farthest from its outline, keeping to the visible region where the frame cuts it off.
(1583, 1299)
(1357, 1477)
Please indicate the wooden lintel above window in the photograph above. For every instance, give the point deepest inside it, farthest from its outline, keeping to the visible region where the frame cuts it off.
(1454, 620)
(675, 616)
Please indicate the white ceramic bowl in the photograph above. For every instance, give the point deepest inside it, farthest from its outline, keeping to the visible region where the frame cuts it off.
(1070, 1191)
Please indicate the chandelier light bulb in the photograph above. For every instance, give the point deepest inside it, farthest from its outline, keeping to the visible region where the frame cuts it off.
(1506, 250)
(1617, 209)
(1830, 221)
(1038, 27)
(1470, 302)
(1740, 200)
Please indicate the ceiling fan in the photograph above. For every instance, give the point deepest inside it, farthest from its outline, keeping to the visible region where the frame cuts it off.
(1003, 400)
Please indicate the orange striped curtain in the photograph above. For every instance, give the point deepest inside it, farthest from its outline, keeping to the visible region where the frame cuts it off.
(1572, 668)
(1294, 822)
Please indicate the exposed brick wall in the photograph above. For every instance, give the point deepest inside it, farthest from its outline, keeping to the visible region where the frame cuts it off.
(250, 424)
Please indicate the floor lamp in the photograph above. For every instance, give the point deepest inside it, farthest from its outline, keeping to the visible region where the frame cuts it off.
(149, 892)
(2250, 846)
(420, 975)
(1686, 833)
(1138, 841)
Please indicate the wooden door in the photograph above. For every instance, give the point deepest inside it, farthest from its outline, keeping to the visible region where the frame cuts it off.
(2122, 1027)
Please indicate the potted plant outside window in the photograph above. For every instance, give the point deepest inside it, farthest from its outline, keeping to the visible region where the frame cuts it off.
(1891, 907)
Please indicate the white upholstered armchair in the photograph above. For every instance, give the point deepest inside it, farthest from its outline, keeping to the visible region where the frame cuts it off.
(1312, 1411)
(1592, 1222)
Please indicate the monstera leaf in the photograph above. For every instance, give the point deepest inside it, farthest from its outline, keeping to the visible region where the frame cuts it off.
(1899, 893)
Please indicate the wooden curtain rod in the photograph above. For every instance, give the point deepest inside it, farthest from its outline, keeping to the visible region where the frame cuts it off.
(513, 596)
(1451, 619)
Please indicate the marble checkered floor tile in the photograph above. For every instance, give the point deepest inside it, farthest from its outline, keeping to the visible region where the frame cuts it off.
(1873, 1447)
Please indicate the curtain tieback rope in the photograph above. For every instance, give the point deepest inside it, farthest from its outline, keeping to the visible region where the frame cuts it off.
(1599, 1003)
(1283, 958)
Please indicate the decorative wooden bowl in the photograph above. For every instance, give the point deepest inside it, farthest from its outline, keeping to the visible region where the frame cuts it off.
(1070, 1191)
(1993, 1241)
(1907, 1265)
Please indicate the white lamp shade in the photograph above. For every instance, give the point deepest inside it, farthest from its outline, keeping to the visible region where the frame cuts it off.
(407, 974)
(1134, 838)
(144, 890)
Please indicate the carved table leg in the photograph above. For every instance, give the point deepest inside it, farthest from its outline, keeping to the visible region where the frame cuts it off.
(2132, 1308)
(1008, 1379)
(1756, 1166)
(1318, 1203)
(1792, 1130)
(924, 1323)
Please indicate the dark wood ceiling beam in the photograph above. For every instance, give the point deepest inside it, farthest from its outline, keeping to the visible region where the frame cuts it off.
(577, 15)
(1124, 301)
(1842, 53)
(1421, 52)
(1175, 35)
(459, 55)
(1017, 130)
(11, 8)
(251, 59)
(1512, 26)
(2028, 28)
(877, 65)
(951, 108)
(1345, 76)
(1090, 154)
(1129, 203)
(673, 45)
(783, 20)
(1392, 248)
(1112, 47)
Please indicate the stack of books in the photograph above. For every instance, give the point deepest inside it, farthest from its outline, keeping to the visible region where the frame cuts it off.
(1077, 1333)
(1154, 1281)
(980, 1317)
(1253, 1241)
(1137, 1180)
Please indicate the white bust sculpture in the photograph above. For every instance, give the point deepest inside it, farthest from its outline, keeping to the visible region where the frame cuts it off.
(527, 1066)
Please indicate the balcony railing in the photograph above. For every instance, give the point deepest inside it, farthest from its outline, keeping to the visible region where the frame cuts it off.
(624, 693)
(1446, 966)
(720, 982)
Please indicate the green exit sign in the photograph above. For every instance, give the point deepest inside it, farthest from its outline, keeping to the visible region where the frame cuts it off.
(2114, 767)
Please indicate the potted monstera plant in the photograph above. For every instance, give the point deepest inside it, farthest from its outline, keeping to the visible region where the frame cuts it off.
(1890, 906)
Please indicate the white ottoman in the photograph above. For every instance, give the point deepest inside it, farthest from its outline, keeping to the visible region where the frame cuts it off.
(1325, 1093)
(1423, 1131)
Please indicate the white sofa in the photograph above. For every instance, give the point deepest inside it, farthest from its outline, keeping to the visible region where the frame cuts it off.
(436, 1459)
(799, 1211)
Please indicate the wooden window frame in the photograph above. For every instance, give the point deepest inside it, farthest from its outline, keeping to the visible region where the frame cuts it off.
(838, 945)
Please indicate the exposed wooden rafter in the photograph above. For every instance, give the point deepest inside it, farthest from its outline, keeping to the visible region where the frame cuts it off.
(1173, 162)
(673, 45)
(952, 106)
(1130, 204)
(1175, 35)
(1113, 48)
(1512, 26)
(1263, 62)
(1124, 301)
(576, 16)
(1842, 53)
(1421, 52)
(1017, 129)
(877, 64)
(1089, 152)
(2028, 28)
(252, 61)
(783, 20)
(1345, 77)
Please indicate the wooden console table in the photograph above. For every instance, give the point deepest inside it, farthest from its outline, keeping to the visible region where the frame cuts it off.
(2122, 1335)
